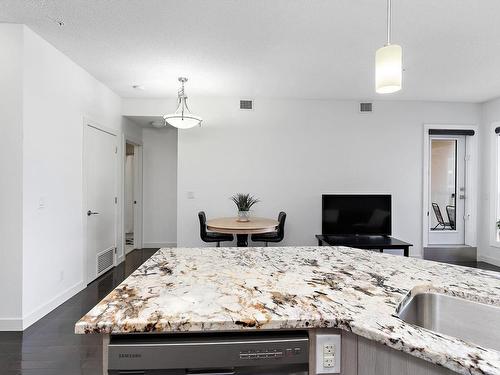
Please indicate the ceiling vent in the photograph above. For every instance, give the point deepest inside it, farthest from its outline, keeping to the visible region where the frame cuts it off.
(246, 104)
(365, 107)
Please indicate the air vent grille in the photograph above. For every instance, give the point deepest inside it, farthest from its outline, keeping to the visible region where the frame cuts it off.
(365, 107)
(246, 104)
(105, 260)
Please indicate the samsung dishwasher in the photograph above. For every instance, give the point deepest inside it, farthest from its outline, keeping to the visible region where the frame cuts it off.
(257, 353)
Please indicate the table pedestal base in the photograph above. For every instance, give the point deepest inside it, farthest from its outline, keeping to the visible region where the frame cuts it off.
(242, 240)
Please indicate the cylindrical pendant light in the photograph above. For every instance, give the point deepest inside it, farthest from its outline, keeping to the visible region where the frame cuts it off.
(388, 63)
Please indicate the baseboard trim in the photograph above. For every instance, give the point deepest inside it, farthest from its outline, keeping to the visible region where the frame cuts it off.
(11, 324)
(159, 244)
(58, 300)
(490, 260)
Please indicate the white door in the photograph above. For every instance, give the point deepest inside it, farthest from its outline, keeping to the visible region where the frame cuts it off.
(100, 179)
(447, 190)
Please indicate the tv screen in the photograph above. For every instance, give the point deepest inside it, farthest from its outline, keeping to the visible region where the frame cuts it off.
(356, 214)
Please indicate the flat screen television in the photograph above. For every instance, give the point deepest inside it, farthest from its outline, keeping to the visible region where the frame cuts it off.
(357, 214)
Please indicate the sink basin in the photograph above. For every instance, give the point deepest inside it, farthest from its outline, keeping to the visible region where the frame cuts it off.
(470, 321)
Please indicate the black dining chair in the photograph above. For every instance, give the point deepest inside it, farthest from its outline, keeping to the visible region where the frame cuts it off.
(207, 236)
(273, 236)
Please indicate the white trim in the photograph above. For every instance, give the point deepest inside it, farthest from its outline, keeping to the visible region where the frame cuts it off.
(138, 181)
(46, 308)
(159, 244)
(493, 186)
(471, 184)
(488, 259)
(11, 324)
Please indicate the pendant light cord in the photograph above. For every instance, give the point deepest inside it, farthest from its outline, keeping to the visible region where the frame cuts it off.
(389, 22)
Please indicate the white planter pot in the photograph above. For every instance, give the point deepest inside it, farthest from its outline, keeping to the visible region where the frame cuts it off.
(243, 216)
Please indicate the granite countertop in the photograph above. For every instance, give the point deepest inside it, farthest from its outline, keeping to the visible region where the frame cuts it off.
(210, 289)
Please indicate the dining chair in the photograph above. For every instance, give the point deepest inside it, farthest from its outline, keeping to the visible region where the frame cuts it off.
(450, 211)
(439, 218)
(209, 237)
(276, 236)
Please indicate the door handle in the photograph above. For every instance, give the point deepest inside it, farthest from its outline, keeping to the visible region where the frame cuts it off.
(92, 213)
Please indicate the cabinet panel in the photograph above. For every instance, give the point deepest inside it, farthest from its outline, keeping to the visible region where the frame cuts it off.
(377, 359)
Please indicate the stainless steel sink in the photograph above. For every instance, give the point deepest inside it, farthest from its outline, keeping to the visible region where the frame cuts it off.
(470, 321)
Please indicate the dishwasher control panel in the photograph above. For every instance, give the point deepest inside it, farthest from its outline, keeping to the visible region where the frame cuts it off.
(270, 353)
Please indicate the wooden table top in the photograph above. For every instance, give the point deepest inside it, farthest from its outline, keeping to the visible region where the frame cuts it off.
(231, 225)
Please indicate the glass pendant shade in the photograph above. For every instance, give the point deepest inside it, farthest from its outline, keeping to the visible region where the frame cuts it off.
(388, 69)
(182, 118)
(182, 122)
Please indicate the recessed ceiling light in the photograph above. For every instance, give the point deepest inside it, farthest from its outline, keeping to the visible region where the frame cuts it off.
(138, 87)
(158, 124)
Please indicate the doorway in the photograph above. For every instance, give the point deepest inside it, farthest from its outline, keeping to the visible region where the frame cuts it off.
(450, 191)
(447, 190)
(130, 198)
(132, 195)
(100, 213)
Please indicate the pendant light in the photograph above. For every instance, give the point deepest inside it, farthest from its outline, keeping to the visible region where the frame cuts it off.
(182, 118)
(388, 63)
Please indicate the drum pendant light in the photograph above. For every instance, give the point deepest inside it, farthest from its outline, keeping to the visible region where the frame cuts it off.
(388, 63)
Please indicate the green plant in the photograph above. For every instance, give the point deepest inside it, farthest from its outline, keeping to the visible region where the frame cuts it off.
(244, 201)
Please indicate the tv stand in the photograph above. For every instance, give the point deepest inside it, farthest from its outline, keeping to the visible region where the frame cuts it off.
(364, 242)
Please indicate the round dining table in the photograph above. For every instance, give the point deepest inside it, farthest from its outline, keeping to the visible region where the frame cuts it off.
(231, 225)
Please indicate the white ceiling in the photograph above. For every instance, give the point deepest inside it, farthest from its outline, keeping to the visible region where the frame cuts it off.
(278, 48)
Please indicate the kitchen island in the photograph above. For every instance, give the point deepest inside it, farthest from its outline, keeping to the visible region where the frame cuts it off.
(297, 288)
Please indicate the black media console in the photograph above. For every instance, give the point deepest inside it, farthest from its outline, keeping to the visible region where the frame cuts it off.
(364, 242)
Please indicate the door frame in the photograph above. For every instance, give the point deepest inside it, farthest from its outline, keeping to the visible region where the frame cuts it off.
(471, 182)
(494, 169)
(138, 182)
(93, 124)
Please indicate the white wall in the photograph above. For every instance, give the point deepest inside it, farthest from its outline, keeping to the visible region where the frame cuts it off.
(288, 152)
(58, 94)
(11, 171)
(160, 187)
(490, 115)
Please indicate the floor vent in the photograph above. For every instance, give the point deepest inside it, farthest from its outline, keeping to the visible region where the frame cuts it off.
(105, 261)
(246, 104)
(365, 107)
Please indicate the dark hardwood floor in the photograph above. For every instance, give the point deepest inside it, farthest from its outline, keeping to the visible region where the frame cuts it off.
(49, 347)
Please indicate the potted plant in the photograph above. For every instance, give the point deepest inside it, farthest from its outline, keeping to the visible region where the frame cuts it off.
(244, 202)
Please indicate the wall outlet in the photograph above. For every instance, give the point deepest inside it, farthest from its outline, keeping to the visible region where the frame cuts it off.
(328, 354)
